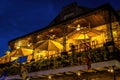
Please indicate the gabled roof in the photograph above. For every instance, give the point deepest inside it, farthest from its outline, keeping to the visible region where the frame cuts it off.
(69, 11)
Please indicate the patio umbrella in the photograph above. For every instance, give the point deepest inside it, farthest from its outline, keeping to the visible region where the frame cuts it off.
(15, 54)
(4, 59)
(21, 52)
(7, 58)
(49, 46)
(84, 35)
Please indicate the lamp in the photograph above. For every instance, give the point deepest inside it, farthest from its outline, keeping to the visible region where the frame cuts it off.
(28, 45)
(49, 77)
(110, 70)
(78, 27)
(78, 73)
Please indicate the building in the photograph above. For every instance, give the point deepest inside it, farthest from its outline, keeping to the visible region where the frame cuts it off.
(79, 44)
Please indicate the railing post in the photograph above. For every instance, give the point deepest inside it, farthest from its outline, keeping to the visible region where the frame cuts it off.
(64, 37)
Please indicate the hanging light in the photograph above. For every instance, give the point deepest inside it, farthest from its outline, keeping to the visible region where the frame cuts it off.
(78, 27)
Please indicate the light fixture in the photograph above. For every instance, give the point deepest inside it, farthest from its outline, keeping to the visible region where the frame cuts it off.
(78, 27)
(49, 77)
(78, 73)
(38, 36)
(110, 70)
(18, 47)
(28, 45)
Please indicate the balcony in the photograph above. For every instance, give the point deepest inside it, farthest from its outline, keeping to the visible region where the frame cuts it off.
(94, 60)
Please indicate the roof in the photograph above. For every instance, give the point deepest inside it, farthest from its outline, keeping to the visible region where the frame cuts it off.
(69, 11)
(91, 15)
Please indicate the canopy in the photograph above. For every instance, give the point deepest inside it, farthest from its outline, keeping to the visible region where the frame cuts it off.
(21, 52)
(47, 48)
(50, 45)
(15, 54)
(7, 58)
(4, 59)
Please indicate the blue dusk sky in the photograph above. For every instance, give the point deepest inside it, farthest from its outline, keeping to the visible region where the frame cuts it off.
(20, 17)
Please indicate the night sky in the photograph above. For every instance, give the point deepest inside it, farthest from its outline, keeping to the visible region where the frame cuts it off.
(20, 17)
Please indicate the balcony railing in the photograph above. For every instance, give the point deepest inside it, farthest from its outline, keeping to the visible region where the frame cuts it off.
(69, 59)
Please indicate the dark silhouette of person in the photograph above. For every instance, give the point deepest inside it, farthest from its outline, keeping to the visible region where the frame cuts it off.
(73, 52)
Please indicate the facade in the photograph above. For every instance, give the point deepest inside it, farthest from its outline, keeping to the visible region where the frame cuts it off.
(79, 44)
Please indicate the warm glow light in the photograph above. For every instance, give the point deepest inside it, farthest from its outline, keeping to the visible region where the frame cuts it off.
(18, 47)
(78, 73)
(38, 36)
(114, 33)
(78, 27)
(110, 70)
(28, 45)
(49, 77)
